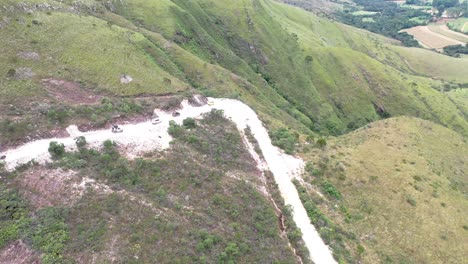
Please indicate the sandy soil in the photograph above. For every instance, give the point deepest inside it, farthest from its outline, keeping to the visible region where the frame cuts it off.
(431, 39)
(70, 92)
(143, 137)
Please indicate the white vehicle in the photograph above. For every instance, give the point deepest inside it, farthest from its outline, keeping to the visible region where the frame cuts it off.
(210, 103)
(116, 129)
(155, 121)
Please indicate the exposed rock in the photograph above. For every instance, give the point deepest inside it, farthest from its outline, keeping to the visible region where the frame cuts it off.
(29, 55)
(4, 22)
(198, 100)
(22, 73)
(126, 78)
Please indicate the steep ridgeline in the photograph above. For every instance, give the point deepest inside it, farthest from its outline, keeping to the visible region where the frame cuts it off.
(290, 65)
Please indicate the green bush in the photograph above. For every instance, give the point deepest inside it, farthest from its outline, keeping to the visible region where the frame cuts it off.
(411, 200)
(80, 142)
(321, 142)
(56, 150)
(283, 139)
(49, 233)
(189, 123)
(331, 190)
(58, 115)
(12, 215)
(175, 130)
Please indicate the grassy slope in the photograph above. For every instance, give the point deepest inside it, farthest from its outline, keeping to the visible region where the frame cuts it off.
(250, 36)
(256, 40)
(231, 49)
(459, 23)
(432, 64)
(404, 190)
(67, 44)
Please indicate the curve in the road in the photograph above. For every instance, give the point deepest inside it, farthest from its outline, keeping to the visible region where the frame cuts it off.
(144, 136)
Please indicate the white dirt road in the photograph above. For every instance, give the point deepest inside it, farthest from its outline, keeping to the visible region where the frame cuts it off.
(142, 137)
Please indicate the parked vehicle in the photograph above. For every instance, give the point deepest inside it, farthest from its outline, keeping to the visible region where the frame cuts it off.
(116, 129)
(174, 114)
(155, 121)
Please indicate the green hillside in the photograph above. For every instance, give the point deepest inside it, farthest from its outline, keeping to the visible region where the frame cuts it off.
(401, 188)
(395, 119)
(270, 55)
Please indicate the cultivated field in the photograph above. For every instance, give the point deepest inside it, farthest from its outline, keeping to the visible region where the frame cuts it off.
(442, 29)
(431, 39)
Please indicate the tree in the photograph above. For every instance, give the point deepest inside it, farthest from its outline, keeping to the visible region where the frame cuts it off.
(189, 123)
(56, 150)
(80, 141)
(321, 142)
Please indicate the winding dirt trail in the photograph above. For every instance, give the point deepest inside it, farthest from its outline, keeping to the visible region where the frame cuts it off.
(142, 137)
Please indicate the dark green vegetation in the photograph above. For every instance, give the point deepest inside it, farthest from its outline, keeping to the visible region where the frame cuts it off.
(388, 18)
(178, 206)
(456, 50)
(284, 139)
(453, 7)
(45, 230)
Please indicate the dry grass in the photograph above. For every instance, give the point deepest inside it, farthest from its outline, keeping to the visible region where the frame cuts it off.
(404, 186)
(442, 29)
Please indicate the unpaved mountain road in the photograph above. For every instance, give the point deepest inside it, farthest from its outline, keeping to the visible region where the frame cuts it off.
(142, 137)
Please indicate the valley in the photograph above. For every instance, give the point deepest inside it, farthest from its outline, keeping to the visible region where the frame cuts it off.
(313, 133)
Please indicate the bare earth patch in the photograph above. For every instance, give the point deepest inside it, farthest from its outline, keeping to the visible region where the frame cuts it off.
(70, 92)
(431, 39)
(18, 253)
(45, 187)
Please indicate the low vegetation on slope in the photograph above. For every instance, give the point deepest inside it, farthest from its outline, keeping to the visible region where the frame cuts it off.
(398, 187)
(198, 202)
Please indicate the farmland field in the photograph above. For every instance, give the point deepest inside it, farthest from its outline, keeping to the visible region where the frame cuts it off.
(422, 7)
(431, 39)
(442, 29)
(460, 24)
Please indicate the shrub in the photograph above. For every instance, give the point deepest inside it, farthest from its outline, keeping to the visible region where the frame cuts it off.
(189, 123)
(49, 233)
(56, 150)
(11, 73)
(321, 142)
(80, 141)
(12, 213)
(331, 190)
(309, 168)
(175, 130)
(283, 139)
(411, 200)
(58, 115)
